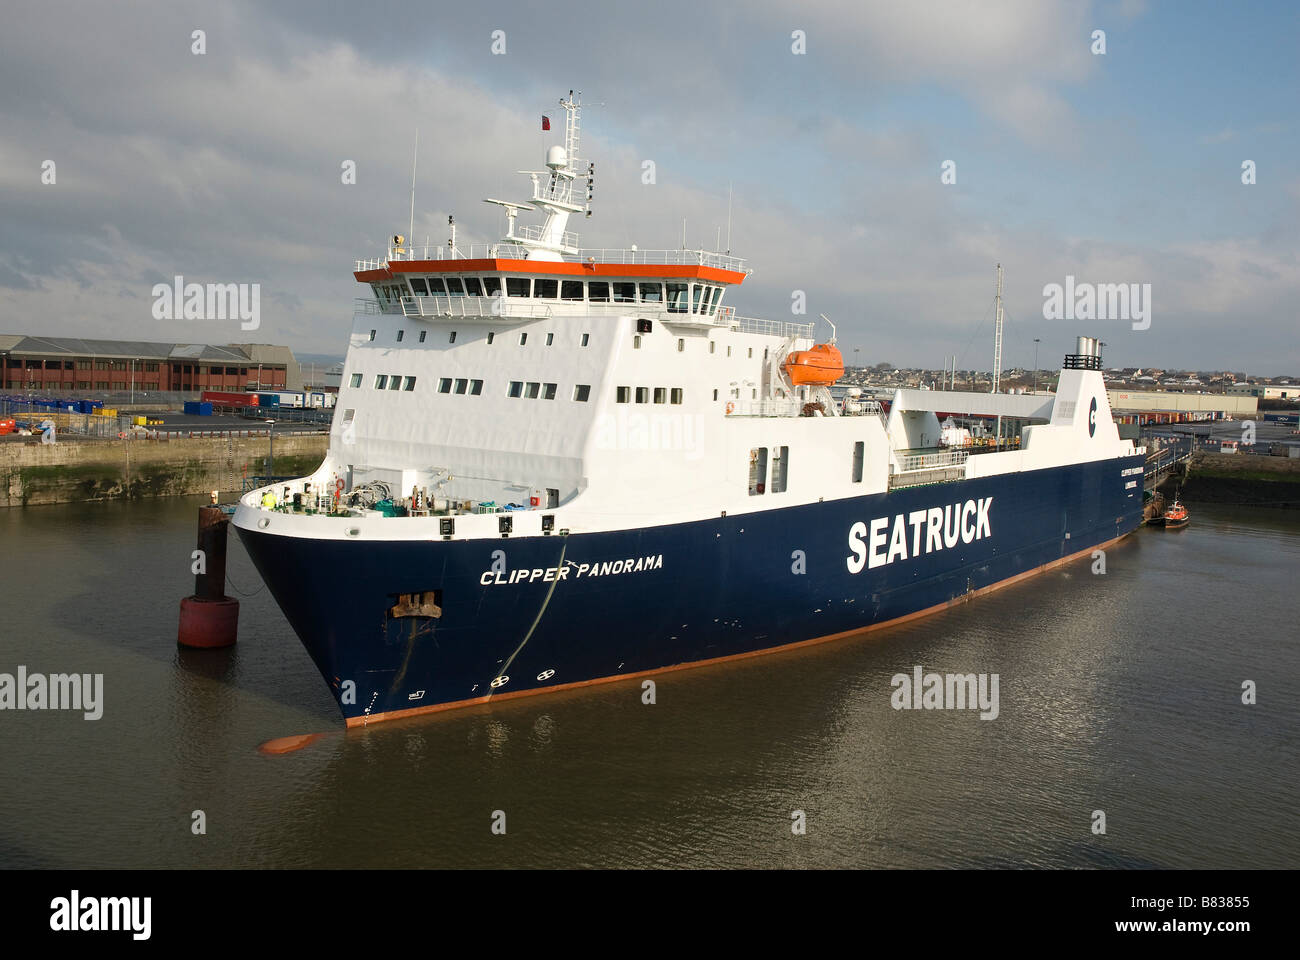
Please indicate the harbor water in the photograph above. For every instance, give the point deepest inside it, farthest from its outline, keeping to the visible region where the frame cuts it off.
(1119, 692)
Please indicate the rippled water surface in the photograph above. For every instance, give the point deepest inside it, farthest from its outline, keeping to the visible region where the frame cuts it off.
(1119, 693)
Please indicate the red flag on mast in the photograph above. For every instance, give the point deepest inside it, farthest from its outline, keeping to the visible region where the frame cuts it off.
(546, 122)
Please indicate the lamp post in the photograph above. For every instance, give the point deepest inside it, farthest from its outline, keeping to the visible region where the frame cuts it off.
(270, 460)
(1035, 364)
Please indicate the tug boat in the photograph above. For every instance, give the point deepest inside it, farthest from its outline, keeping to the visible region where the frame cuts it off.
(1175, 515)
(552, 466)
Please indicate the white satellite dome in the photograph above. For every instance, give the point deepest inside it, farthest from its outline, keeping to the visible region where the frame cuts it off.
(556, 157)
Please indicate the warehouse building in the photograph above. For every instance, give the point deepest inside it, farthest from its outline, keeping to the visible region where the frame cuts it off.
(66, 365)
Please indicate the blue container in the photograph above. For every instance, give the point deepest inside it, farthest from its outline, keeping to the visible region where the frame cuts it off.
(205, 409)
(191, 407)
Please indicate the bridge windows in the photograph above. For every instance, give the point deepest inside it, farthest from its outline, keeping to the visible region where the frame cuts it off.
(436, 287)
(598, 291)
(472, 287)
(652, 293)
(677, 297)
(713, 304)
(454, 287)
(624, 292)
(698, 291)
(545, 289)
(418, 285)
(491, 286)
(518, 286)
(571, 290)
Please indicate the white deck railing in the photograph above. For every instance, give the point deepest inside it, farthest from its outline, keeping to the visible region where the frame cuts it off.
(932, 461)
(514, 251)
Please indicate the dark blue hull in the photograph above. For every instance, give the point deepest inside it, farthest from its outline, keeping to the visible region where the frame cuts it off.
(652, 598)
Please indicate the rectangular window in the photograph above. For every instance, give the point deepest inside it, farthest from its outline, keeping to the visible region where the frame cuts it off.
(586, 339)
(444, 385)
(81, 364)
(436, 287)
(461, 385)
(713, 347)
(728, 349)
(550, 339)
(582, 392)
(423, 334)
(518, 286)
(698, 290)
(715, 394)
(491, 286)
(451, 337)
(636, 342)
(681, 345)
(475, 387)
(652, 293)
(677, 297)
(472, 287)
(548, 391)
(677, 395)
(713, 304)
(642, 394)
(81, 385)
(661, 394)
(394, 382)
(598, 291)
(531, 390)
(454, 287)
(544, 289)
(751, 353)
(381, 381)
(622, 394)
(571, 290)
(356, 379)
(417, 284)
(757, 471)
(516, 389)
(400, 335)
(859, 449)
(372, 337)
(523, 339)
(410, 383)
(490, 337)
(624, 292)
(780, 466)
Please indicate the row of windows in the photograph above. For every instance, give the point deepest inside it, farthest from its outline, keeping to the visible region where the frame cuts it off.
(758, 470)
(150, 366)
(678, 297)
(491, 337)
(661, 395)
(531, 390)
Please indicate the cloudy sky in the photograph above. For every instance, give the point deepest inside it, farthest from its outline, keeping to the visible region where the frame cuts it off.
(1117, 168)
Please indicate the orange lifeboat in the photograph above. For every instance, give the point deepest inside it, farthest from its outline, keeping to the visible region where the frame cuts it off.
(819, 367)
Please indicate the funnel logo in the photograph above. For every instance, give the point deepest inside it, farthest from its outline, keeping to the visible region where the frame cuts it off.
(1092, 417)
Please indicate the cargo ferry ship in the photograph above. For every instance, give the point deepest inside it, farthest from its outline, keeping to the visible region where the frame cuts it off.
(552, 466)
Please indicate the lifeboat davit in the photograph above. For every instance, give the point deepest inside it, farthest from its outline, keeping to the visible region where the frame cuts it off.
(819, 367)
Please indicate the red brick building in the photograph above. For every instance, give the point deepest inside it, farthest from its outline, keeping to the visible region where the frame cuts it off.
(67, 365)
